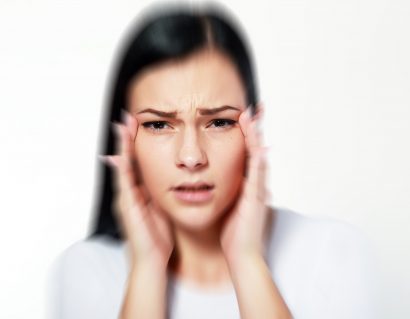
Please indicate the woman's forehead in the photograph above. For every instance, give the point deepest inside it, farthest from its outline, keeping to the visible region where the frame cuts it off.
(204, 111)
(200, 81)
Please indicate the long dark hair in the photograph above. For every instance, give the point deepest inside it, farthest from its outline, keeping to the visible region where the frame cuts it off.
(163, 34)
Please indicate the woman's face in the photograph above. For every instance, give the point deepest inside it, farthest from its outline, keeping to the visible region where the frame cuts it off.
(192, 146)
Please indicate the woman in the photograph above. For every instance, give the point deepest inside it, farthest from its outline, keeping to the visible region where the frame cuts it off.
(183, 227)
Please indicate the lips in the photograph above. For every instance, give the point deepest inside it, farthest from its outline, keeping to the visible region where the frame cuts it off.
(194, 186)
(194, 193)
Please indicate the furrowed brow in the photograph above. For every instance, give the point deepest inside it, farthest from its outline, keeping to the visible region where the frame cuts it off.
(159, 113)
(217, 110)
(202, 111)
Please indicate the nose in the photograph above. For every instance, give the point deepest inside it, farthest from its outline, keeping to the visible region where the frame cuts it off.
(191, 154)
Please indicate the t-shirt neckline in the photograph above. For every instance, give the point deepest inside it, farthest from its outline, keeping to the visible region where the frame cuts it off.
(192, 288)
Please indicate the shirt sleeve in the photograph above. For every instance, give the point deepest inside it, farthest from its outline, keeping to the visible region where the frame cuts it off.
(76, 288)
(349, 275)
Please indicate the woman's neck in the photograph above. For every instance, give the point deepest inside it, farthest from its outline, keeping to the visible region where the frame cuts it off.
(198, 256)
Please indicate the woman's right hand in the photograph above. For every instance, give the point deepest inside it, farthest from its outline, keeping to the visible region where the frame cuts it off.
(146, 228)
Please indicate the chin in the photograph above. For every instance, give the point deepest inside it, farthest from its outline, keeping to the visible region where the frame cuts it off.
(194, 217)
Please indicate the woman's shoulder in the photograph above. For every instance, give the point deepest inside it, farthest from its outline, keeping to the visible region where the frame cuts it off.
(326, 260)
(87, 276)
(295, 225)
(92, 254)
(94, 246)
(299, 236)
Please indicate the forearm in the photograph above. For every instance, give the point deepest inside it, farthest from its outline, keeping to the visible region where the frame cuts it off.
(145, 296)
(257, 294)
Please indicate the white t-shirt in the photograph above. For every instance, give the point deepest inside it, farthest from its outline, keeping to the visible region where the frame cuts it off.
(322, 267)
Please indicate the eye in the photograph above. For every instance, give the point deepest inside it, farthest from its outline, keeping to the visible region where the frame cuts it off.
(158, 126)
(154, 126)
(220, 122)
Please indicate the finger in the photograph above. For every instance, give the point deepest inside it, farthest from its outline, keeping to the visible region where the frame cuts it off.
(251, 141)
(257, 163)
(114, 162)
(123, 145)
(123, 150)
(131, 123)
(128, 203)
(124, 176)
(247, 115)
(250, 125)
(244, 119)
(256, 122)
(119, 202)
(260, 110)
(127, 133)
(107, 159)
(257, 169)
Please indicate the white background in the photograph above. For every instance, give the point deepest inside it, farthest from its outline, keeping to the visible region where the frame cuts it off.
(335, 79)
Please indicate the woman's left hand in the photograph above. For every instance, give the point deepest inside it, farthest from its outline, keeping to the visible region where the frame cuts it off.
(244, 228)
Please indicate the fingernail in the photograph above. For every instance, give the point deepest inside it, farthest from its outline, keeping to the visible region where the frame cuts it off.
(116, 127)
(123, 116)
(249, 112)
(126, 117)
(257, 127)
(129, 118)
(106, 159)
(102, 158)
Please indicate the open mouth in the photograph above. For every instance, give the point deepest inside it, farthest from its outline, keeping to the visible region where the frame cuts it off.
(194, 194)
(194, 189)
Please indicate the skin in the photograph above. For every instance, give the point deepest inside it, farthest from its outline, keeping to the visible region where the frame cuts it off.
(192, 147)
(220, 242)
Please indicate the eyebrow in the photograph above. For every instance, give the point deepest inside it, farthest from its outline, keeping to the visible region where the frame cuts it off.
(202, 111)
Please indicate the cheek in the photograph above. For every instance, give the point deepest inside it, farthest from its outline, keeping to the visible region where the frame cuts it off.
(151, 158)
(230, 161)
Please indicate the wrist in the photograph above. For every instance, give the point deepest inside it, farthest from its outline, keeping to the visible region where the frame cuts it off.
(149, 266)
(244, 260)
